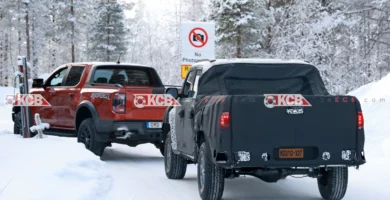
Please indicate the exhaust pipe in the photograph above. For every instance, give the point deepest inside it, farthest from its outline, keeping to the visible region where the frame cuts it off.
(273, 175)
(126, 135)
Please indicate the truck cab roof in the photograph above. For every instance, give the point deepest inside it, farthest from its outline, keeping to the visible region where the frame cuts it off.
(108, 63)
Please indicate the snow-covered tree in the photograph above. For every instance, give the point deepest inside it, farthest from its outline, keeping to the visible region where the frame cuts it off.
(109, 32)
(241, 26)
(336, 36)
(348, 40)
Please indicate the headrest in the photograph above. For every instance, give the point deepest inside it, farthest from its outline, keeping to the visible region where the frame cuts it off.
(101, 80)
(118, 79)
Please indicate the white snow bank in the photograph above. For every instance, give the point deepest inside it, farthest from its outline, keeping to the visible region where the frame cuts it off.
(375, 101)
(6, 90)
(50, 168)
(3, 92)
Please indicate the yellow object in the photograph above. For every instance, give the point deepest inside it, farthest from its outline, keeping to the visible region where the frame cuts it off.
(184, 70)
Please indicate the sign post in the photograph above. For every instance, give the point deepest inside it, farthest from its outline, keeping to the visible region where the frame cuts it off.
(197, 43)
(22, 82)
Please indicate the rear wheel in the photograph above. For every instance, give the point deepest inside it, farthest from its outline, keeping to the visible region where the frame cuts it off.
(87, 135)
(175, 165)
(18, 124)
(211, 178)
(333, 183)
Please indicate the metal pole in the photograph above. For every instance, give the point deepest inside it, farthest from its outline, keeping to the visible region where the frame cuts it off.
(21, 90)
(26, 90)
(20, 85)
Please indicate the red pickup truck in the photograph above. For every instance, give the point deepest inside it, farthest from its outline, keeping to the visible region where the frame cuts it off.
(95, 102)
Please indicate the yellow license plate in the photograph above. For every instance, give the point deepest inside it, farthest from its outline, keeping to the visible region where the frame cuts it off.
(291, 153)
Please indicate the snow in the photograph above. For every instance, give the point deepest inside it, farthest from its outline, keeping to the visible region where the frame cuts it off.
(49, 168)
(18, 73)
(375, 101)
(5, 91)
(42, 126)
(61, 168)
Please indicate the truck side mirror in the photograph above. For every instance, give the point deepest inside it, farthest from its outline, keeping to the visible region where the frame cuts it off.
(173, 91)
(37, 83)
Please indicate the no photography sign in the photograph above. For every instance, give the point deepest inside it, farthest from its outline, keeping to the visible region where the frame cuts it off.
(198, 37)
(197, 42)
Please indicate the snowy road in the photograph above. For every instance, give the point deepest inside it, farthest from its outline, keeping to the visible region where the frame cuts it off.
(139, 174)
(141, 171)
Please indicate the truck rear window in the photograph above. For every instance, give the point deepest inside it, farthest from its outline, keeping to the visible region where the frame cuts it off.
(124, 76)
(242, 86)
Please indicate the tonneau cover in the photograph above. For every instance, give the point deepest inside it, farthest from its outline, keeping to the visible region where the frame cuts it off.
(214, 81)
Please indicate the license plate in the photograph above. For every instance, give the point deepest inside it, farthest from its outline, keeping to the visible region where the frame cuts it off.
(291, 153)
(154, 125)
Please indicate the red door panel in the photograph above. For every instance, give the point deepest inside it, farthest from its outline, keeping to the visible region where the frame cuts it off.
(48, 114)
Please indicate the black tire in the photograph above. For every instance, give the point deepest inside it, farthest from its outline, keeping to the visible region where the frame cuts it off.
(211, 178)
(175, 165)
(87, 135)
(18, 124)
(333, 183)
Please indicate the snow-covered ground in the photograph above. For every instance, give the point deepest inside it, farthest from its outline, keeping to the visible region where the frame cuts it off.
(60, 168)
(375, 101)
(50, 168)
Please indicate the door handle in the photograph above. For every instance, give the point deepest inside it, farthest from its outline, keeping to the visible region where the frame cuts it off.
(181, 113)
(192, 114)
(71, 94)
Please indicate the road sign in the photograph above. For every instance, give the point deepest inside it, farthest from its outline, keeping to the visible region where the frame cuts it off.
(198, 37)
(197, 43)
(184, 70)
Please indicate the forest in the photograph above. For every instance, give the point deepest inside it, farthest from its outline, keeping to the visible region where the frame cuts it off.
(348, 40)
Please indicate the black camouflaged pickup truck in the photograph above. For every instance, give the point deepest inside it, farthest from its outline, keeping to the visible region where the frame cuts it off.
(266, 118)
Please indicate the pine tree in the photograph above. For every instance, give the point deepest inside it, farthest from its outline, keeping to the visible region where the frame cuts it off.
(107, 41)
(241, 26)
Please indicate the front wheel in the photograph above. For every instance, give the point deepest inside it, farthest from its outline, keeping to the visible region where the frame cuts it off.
(175, 165)
(211, 178)
(18, 124)
(333, 183)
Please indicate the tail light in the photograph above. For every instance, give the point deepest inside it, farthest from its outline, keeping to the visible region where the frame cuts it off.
(225, 120)
(119, 103)
(360, 120)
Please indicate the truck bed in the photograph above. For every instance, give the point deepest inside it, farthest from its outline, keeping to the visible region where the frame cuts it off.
(328, 125)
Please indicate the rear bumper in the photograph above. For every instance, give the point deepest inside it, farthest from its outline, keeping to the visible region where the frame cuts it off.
(257, 161)
(128, 132)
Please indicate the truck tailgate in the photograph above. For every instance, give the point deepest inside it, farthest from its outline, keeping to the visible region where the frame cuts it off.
(145, 113)
(329, 125)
